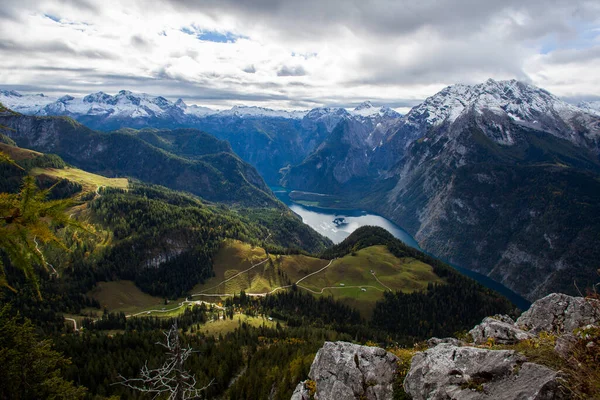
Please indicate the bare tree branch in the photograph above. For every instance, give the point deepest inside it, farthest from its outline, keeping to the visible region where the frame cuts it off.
(170, 378)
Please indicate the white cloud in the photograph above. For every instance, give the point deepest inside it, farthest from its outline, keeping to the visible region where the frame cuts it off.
(296, 54)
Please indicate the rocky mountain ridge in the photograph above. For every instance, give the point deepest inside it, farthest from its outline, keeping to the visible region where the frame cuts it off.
(474, 369)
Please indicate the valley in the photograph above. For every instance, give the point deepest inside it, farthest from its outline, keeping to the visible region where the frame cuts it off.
(201, 238)
(415, 170)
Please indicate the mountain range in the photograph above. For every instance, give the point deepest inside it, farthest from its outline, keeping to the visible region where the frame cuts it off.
(268, 139)
(500, 177)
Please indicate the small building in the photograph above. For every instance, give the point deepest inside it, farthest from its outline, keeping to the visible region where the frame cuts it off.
(341, 284)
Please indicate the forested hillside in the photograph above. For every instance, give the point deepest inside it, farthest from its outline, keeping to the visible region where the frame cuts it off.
(216, 175)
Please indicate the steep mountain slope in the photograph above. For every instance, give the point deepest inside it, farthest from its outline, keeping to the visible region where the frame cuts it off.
(216, 176)
(506, 181)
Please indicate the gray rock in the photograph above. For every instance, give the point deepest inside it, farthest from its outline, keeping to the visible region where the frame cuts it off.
(560, 313)
(501, 331)
(469, 373)
(344, 370)
(504, 318)
(450, 340)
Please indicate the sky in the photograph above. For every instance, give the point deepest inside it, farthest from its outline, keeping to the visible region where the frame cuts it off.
(297, 53)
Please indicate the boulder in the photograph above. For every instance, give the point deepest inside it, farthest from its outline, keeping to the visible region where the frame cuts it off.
(344, 370)
(560, 313)
(501, 331)
(469, 373)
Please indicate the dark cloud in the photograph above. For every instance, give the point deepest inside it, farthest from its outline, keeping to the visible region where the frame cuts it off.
(296, 70)
(574, 55)
(395, 17)
(140, 42)
(250, 69)
(8, 15)
(12, 47)
(446, 62)
(56, 69)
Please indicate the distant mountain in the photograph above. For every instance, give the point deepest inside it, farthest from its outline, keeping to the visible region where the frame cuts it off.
(214, 173)
(135, 109)
(501, 177)
(268, 139)
(367, 110)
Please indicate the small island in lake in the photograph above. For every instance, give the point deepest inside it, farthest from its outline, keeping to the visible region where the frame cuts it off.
(339, 221)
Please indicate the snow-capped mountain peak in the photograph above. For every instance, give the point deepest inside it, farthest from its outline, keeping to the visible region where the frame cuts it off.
(365, 105)
(520, 101)
(181, 104)
(367, 110)
(493, 102)
(258, 112)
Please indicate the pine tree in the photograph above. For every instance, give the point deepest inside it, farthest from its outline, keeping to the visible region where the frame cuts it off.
(29, 367)
(28, 220)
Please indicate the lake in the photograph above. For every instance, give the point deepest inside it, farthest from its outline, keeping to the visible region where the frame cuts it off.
(339, 224)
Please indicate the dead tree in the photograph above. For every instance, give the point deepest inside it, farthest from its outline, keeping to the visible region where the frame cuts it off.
(171, 379)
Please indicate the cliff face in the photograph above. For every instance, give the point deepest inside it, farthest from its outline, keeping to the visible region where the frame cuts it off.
(525, 214)
(501, 361)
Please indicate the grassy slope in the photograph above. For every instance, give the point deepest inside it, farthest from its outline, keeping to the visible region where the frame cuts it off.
(235, 257)
(17, 153)
(398, 274)
(124, 296)
(89, 181)
(224, 326)
(402, 274)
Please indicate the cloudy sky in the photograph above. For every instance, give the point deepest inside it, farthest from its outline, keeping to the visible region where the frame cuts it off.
(297, 53)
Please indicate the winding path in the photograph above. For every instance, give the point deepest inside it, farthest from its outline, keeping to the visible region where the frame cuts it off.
(340, 287)
(235, 276)
(73, 321)
(381, 283)
(182, 304)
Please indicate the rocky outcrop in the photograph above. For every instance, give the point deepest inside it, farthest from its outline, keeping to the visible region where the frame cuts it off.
(560, 313)
(344, 370)
(450, 369)
(451, 372)
(500, 330)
